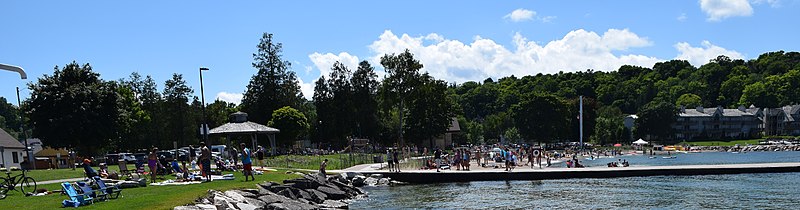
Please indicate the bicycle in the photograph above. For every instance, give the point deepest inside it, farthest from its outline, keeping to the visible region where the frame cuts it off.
(27, 185)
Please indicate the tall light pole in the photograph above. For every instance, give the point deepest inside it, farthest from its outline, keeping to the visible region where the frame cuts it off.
(22, 75)
(204, 128)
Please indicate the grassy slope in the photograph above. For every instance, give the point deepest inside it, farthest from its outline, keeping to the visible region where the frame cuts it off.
(151, 197)
(54, 174)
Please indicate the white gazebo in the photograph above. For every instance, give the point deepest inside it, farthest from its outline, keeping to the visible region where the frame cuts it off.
(240, 126)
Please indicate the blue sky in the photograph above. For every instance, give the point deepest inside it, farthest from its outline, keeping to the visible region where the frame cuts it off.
(457, 41)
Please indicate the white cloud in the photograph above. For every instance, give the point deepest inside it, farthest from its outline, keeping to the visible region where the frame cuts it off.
(578, 50)
(718, 10)
(324, 62)
(682, 17)
(235, 98)
(698, 56)
(547, 19)
(307, 88)
(520, 15)
(772, 3)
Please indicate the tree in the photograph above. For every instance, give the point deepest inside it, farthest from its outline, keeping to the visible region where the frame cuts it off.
(540, 117)
(609, 127)
(9, 117)
(365, 89)
(219, 112)
(403, 75)
(274, 86)
(291, 122)
(429, 112)
(655, 120)
(177, 113)
(689, 100)
(74, 108)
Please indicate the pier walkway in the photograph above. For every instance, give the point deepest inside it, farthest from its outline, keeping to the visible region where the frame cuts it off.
(526, 173)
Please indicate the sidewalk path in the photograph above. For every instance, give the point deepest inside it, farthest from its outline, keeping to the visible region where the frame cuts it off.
(59, 181)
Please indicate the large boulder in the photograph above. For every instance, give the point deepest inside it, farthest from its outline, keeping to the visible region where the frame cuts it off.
(302, 183)
(234, 195)
(319, 195)
(358, 181)
(331, 204)
(186, 208)
(250, 193)
(332, 193)
(288, 193)
(255, 202)
(245, 206)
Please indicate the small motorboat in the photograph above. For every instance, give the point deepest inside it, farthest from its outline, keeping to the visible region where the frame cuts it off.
(669, 157)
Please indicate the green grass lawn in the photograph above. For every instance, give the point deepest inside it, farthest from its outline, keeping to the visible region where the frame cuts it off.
(55, 174)
(335, 161)
(150, 198)
(724, 143)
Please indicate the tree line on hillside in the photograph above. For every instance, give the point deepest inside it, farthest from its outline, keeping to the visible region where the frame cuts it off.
(75, 108)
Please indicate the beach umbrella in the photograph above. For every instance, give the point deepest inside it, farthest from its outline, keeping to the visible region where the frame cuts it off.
(617, 145)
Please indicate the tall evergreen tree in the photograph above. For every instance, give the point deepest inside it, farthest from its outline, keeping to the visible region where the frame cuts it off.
(273, 86)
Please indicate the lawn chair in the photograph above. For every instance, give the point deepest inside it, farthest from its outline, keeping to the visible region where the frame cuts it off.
(112, 192)
(75, 199)
(123, 168)
(87, 190)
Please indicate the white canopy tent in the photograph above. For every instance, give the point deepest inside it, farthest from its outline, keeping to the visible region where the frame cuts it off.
(640, 142)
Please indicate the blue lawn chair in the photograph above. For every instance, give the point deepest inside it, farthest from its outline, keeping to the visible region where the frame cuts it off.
(105, 190)
(86, 188)
(75, 199)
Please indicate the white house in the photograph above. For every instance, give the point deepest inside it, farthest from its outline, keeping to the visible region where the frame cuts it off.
(11, 151)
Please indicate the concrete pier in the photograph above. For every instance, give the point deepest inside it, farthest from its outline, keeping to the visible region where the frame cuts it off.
(526, 173)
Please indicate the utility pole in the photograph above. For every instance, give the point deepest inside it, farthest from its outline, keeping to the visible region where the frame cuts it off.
(580, 118)
(24, 135)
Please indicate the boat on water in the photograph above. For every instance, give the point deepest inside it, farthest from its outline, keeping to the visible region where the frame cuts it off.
(670, 157)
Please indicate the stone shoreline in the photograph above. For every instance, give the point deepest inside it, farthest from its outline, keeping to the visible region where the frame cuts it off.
(749, 148)
(308, 192)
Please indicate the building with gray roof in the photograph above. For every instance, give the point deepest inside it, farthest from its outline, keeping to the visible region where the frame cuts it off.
(718, 123)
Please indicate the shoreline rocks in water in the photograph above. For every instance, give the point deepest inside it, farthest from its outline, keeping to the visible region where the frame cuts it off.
(749, 148)
(307, 192)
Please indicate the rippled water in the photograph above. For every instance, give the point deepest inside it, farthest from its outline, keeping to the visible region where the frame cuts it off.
(741, 191)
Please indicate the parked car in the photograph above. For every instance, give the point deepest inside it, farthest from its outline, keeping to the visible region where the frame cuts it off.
(128, 157)
(140, 157)
(110, 159)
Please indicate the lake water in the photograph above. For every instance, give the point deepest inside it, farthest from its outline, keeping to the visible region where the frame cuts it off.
(741, 191)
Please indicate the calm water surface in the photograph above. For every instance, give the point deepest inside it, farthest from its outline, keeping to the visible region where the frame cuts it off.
(742, 191)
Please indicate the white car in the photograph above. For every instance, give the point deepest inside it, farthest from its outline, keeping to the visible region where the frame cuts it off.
(128, 157)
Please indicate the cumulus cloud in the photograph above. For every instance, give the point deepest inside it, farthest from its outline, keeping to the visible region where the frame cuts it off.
(772, 3)
(520, 15)
(307, 88)
(324, 62)
(718, 10)
(698, 56)
(235, 98)
(578, 50)
(682, 17)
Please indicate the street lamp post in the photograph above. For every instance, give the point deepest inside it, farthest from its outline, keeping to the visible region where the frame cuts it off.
(204, 128)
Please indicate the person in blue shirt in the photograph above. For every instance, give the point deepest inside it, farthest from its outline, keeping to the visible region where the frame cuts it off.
(87, 167)
(247, 162)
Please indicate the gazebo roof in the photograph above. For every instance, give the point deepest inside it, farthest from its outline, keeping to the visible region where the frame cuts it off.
(243, 128)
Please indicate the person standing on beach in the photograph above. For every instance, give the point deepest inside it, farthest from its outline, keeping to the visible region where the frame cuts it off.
(396, 161)
(152, 163)
(322, 167)
(437, 156)
(389, 160)
(260, 156)
(205, 161)
(247, 162)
